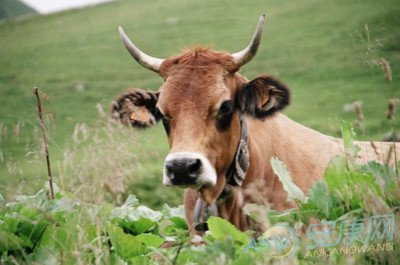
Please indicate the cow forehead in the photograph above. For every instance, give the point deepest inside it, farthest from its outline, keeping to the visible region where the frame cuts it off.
(198, 57)
(195, 91)
(195, 80)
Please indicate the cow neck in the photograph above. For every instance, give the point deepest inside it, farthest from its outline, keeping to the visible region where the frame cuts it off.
(235, 177)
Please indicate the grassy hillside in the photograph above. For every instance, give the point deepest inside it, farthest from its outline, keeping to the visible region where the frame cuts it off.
(325, 51)
(13, 8)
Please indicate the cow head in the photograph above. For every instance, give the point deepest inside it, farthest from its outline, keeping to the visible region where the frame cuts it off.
(200, 104)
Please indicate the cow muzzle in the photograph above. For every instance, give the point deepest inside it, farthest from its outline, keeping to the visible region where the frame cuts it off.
(188, 169)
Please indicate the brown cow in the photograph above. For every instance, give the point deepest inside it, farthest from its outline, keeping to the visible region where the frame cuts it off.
(223, 130)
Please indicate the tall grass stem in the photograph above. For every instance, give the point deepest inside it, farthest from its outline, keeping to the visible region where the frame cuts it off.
(46, 146)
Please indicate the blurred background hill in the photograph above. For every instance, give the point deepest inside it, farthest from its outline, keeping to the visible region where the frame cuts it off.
(24, 9)
(10, 9)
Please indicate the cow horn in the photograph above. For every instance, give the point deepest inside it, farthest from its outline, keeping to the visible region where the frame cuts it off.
(145, 60)
(245, 56)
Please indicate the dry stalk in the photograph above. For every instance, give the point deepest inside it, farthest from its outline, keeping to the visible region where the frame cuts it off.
(392, 108)
(387, 70)
(395, 159)
(356, 107)
(373, 145)
(359, 113)
(46, 146)
(391, 115)
(389, 154)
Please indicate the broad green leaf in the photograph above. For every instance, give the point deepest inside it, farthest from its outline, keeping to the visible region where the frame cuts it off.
(167, 228)
(63, 237)
(321, 199)
(131, 201)
(387, 179)
(63, 204)
(135, 213)
(37, 200)
(144, 212)
(365, 180)
(139, 260)
(335, 175)
(47, 240)
(221, 228)
(176, 215)
(137, 227)
(349, 187)
(179, 222)
(125, 245)
(294, 192)
(150, 240)
(11, 222)
(382, 172)
(136, 219)
(25, 221)
(10, 242)
(44, 256)
(114, 259)
(338, 177)
(173, 212)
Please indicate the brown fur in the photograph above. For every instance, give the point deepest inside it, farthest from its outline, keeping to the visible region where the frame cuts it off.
(196, 82)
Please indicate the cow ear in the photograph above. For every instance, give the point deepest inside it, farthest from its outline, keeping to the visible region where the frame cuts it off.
(263, 96)
(136, 107)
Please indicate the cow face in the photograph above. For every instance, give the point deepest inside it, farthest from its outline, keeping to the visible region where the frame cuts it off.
(197, 102)
(199, 105)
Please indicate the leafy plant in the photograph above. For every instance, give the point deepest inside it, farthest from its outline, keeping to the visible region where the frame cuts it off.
(65, 230)
(283, 174)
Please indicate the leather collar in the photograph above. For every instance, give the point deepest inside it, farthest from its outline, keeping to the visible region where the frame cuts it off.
(238, 169)
(235, 177)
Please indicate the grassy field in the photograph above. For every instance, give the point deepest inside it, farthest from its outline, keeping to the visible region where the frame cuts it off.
(325, 51)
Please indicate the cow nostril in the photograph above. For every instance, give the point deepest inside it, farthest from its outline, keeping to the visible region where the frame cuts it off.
(183, 171)
(194, 167)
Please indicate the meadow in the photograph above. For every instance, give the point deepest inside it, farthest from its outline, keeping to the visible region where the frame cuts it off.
(327, 52)
(330, 53)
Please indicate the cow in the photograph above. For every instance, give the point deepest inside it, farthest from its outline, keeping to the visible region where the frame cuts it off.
(223, 130)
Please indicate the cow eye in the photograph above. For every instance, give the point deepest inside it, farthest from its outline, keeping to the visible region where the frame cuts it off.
(226, 107)
(224, 116)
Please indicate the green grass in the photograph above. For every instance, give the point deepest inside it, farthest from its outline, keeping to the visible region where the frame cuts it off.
(318, 48)
(356, 204)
